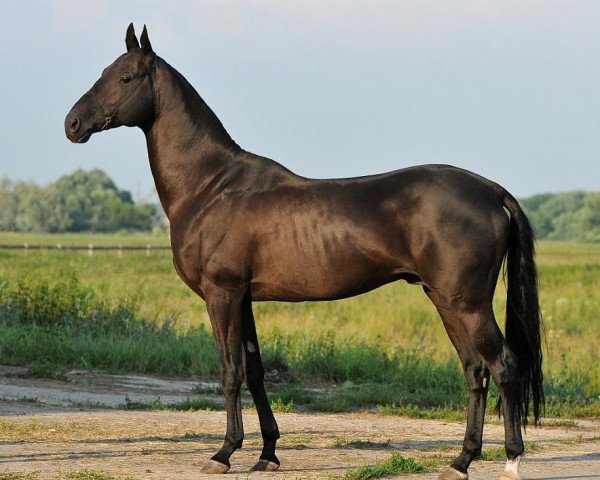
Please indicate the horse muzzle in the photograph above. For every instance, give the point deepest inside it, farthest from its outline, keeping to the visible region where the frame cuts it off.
(77, 129)
(83, 120)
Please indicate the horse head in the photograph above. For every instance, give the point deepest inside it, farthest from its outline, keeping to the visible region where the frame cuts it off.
(123, 95)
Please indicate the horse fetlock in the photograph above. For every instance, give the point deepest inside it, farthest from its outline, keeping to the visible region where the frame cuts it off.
(472, 450)
(271, 457)
(231, 444)
(514, 451)
(271, 436)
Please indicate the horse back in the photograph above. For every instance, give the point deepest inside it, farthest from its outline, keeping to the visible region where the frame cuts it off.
(328, 239)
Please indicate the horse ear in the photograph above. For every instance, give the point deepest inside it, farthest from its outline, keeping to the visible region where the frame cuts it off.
(130, 39)
(146, 45)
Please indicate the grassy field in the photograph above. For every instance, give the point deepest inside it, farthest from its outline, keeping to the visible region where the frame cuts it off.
(339, 341)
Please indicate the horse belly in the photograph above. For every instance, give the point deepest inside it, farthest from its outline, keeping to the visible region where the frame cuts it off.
(318, 273)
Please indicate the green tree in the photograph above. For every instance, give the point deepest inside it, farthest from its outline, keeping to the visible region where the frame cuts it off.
(589, 218)
(80, 201)
(8, 205)
(565, 216)
(32, 211)
(92, 201)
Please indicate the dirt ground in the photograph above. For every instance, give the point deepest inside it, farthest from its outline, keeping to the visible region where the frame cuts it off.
(55, 427)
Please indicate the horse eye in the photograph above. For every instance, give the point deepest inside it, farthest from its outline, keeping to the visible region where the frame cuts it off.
(125, 79)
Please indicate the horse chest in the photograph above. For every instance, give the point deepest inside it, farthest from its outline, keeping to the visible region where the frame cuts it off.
(203, 266)
(189, 275)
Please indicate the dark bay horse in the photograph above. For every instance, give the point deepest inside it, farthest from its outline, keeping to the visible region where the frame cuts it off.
(244, 229)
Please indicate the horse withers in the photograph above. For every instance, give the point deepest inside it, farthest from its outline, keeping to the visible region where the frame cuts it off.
(245, 229)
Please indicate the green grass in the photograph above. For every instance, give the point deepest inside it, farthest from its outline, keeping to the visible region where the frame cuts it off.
(386, 399)
(394, 465)
(280, 406)
(387, 348)
(68, 325)
(147, 351)
(45, 370)
(451, 414)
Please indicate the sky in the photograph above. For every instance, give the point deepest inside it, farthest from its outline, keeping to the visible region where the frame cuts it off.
(508, 89)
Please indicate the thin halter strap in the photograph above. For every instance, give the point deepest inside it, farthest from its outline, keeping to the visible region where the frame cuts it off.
(108, 119)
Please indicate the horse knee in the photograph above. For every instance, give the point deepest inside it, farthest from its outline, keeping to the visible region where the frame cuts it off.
(231, 382)
(231, 390)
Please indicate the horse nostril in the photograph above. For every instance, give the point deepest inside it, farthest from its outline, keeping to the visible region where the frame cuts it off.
(75, 124)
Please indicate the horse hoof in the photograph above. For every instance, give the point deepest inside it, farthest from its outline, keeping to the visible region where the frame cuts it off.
(212, 467)
(509, 476)
(265, 466)
(453, 474)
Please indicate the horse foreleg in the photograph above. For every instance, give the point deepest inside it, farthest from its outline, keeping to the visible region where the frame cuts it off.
(225, 312)
(255, 380)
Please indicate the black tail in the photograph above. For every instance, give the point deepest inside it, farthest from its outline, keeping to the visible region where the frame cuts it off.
(523, 323)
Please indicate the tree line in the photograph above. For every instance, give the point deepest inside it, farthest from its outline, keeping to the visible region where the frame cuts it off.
(81, 201)
(565, 216)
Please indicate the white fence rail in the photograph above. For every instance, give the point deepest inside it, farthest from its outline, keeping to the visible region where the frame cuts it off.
(91, 248)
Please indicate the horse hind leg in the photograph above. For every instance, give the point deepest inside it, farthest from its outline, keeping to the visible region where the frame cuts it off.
(477, 376)
(483, 333)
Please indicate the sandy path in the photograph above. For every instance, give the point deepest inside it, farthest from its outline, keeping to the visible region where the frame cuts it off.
(53, 436)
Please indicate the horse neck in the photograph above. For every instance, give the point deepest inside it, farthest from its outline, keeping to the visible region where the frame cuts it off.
(189, 149)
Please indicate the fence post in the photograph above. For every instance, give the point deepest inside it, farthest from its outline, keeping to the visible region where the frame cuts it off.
(147, 249)
(120, 251)
(90, 249)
